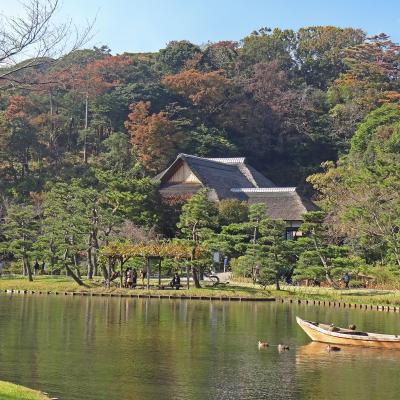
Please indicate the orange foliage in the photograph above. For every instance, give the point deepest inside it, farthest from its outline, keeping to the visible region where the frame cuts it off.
(153, 136)
(84, 79)
(205, 89)
(18, 107)
(111, 68)
(175, 250)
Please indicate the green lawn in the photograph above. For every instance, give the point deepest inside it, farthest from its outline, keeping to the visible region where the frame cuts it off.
(9, 391)
(66, 284)
(353, 296)
(233, 289)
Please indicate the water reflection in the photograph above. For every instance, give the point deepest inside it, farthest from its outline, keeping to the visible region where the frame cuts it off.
(121, 348)
(317, 352)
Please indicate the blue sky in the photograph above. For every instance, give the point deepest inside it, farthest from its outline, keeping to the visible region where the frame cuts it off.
(147, 25)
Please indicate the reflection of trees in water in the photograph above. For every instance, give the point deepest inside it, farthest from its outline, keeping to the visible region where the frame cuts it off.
(102, 348)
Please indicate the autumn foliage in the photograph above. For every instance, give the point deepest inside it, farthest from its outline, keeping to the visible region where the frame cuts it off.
(153, 136)
(165, 249)
(204, 89)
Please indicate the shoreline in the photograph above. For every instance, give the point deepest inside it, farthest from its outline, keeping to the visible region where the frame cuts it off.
(13, 391)
(321, 303)
(144, 295)
(388, 300)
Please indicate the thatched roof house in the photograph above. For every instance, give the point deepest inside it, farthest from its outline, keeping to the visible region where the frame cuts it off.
(232, 178)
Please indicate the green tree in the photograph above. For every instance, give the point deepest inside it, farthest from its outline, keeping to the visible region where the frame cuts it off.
(317, 260)
(174, 57)
(20, 230)
(231, 211)
(279, 254)
(66, 227)
(360, 192)
(198, 214)
(319, 52)
(269, 256)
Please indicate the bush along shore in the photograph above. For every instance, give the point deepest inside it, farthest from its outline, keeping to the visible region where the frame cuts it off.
(233, 290)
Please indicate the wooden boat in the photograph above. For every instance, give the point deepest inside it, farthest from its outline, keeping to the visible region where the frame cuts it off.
(330, 334)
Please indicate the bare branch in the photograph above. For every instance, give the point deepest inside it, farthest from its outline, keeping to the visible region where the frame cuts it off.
(34, 37)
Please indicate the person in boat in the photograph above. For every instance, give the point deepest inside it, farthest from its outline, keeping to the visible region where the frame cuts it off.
(176, 281)
(346, 280)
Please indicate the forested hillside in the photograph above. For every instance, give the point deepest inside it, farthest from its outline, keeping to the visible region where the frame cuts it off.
(287, 100)
(89, 132)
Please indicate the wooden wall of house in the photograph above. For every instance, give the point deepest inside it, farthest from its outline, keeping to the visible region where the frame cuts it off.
(183, 175)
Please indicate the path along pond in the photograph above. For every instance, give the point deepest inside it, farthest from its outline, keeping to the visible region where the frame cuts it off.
(87, 348)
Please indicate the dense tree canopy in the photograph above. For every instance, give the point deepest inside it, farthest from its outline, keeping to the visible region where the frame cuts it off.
(81, 139)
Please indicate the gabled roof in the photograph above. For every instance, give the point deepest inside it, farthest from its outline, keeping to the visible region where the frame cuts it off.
(234, 178)
(220, 174)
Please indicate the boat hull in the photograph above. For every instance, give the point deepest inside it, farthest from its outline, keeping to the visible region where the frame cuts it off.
(321, 335)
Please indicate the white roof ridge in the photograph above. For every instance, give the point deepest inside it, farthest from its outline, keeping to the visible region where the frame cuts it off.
(263, 190)
(227, 160)
(224, 160)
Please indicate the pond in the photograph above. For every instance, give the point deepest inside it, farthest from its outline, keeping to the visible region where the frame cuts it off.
(144, 349)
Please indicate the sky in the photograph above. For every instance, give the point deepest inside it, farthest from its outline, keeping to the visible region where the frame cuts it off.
(148, 25)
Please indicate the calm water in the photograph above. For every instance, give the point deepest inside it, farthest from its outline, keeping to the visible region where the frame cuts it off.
(124, 349)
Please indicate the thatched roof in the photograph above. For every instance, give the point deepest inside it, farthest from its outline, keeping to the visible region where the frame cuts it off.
(220, 174)
(282, 203)
(233, 178)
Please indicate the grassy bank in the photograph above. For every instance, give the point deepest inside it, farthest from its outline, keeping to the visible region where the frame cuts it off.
(233, 289)
(9, 391)
(353, 296)
(65, 284)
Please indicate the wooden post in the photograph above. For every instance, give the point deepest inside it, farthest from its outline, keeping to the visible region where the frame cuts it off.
(148, 272)
(159, 272)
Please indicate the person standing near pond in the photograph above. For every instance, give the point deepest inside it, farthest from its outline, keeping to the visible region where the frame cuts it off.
(142, 276)
(346, 280)
(176, 281)
(126, 278)
(36, 267)
(134, 277)
(129, 278)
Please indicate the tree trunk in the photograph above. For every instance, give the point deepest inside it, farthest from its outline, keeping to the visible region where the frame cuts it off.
(28, 270)
(95, 265)
(86, 127)
(201, 274)
(74, 277)
(148, 272)
(69, 271)
(325, 264)
(159, 272)
(106, 276)
(194, 270)
(25, 163)
(196, 278)
(277, 286)
(89, 263)
(330, 281)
